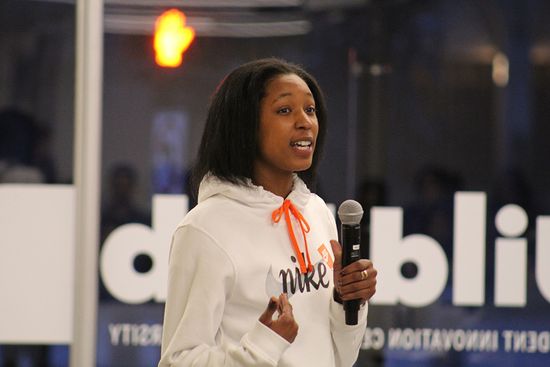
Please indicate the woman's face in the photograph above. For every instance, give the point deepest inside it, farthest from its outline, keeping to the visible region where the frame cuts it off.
(288, 127)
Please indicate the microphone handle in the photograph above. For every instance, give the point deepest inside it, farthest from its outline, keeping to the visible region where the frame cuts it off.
(351, 252)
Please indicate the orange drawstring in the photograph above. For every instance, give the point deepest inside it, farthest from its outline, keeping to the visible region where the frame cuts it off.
(304, 226)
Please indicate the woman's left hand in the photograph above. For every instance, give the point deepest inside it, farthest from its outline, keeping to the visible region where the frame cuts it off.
(355, 281)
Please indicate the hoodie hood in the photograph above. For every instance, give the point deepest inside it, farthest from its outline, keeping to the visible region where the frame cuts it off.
(278, 208)
(250, 194)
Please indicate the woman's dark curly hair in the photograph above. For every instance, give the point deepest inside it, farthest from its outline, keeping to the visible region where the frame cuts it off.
(229, 143)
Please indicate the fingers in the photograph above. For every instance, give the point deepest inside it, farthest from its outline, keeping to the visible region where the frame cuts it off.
(358, 281)
(285, 325)
(353, 282)
(285, 308)
(357, 266)
(362, 292)
(337, 251)
(267, 316)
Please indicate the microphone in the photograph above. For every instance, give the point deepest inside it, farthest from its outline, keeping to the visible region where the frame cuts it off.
(350, 213)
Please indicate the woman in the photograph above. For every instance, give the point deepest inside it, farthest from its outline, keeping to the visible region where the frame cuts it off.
(255, 276)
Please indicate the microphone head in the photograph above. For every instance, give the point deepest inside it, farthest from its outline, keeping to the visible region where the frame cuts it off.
(350, 212)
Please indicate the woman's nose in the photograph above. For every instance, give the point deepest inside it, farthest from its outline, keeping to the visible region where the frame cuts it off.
(303, 120)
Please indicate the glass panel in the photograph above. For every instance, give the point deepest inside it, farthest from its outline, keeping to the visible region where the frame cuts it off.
(461, 113)
(36, 147)
(438, 119)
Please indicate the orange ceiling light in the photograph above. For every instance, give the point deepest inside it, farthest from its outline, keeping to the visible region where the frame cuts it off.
(172, 38)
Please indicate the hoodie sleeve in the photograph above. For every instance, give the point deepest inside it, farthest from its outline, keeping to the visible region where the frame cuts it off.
(346, 339)
(201, 276)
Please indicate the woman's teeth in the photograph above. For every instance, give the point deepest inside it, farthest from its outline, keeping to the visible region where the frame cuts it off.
(303, 144)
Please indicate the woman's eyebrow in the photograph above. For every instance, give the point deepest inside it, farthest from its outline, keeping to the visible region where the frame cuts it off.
(286, 94)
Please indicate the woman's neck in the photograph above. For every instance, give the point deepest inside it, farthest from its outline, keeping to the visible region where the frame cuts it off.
(280, 185)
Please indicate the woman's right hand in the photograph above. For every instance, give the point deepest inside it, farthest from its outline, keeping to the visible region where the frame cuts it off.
(284, 325)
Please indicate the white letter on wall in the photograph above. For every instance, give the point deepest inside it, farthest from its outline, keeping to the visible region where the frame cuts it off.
(469, 249)
(130, 240)
(36, 263)
(511, 257)
(542, 271)
(389, 251)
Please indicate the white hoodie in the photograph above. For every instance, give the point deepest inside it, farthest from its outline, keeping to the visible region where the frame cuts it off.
(227, 258)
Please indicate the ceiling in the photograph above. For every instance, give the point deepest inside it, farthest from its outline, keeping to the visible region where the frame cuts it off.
(210, 18)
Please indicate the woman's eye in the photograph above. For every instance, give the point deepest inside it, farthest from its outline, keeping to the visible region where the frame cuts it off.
(310, 110)
(284, 110)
